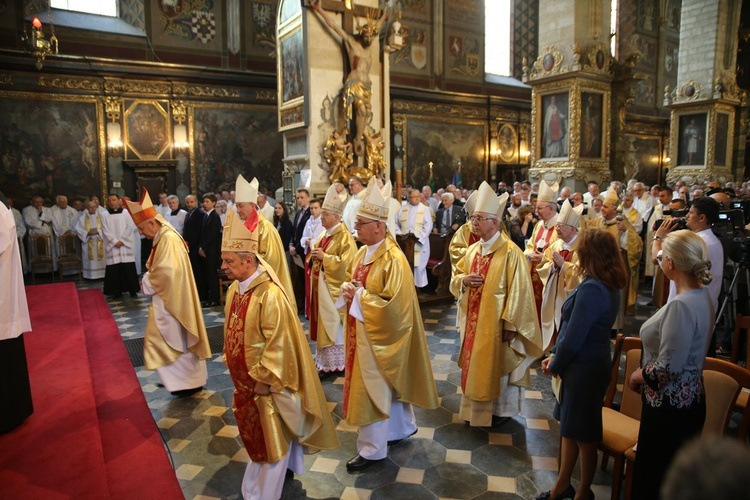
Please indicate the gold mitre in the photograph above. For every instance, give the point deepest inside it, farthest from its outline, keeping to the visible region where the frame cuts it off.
(246, 192)
(471, 202)
(237, 237)
(548, 192)
(487, 201)
(374, 205)
(570, 215)
(611, 199)
(143, 211)
(333, 201)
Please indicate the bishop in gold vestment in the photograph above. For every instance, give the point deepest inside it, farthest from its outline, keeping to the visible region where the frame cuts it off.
(278, 403)
(497, 317)
(387, 361)
(330, 258)
(175, 343)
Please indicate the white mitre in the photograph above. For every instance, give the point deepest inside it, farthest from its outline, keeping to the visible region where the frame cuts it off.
(374, 206)
(569, 214)
(246, 192)
(489, 202)
(333, 201)
(548, 192)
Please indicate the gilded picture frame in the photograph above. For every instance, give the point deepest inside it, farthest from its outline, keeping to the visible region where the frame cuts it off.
(41, 157)
(148, 129)
(292, 84)
(554, 140)
(507, 144)
(592, 125)
(691, 140)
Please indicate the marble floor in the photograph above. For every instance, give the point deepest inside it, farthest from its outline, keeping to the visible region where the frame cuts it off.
(445, 459)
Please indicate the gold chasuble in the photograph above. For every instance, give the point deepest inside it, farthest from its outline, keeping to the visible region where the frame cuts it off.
(326, 279)
(264, 342)
(462, 239)
(633, 249)
(558, 284)
(541, 237)
(503, 302)
(388, 352)
(272, 251)
(171, 276)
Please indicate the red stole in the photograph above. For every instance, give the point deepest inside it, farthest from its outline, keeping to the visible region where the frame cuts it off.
(536, 282)
(480, 265)
(350, 342)
(473, 238)
(245, 408)
(312, 306)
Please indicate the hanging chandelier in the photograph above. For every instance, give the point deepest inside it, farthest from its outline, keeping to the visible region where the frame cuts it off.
(37, 43)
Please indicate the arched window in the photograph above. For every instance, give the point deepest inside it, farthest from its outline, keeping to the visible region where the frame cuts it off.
(98, 7)
(498, 29)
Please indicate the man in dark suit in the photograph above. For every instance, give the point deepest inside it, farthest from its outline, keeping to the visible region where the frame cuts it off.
(210, 250)
(450, 217)
(191, 232)
(301, 215)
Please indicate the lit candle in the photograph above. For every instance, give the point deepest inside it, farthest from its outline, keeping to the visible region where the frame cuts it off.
(36, 23)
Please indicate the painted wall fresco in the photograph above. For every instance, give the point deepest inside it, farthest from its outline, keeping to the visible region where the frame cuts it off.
(193, 24)
(56, 152)
(445, 144)
(463, 44)
(236, 140)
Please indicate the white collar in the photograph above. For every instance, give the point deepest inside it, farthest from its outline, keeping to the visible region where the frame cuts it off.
(329, 232)
(371, 249)
(245, 284)
(486, 245)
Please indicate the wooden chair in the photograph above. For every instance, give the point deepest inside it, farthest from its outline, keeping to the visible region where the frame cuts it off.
(40, 255)
(620, 428)
(741, 329)
(742, 376)
(69, 254)
(407, 242)
(439, 264)
(721, 394)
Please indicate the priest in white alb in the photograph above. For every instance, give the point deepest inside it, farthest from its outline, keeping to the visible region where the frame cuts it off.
(89, 230)
(415, 218)
(120, 238)
(175, 343)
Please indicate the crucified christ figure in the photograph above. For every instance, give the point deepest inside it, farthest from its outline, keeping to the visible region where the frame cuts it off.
(358, 86)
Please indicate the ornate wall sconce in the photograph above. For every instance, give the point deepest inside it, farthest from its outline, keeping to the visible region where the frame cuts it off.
(37, 44)
(181, 144)
(112, 106)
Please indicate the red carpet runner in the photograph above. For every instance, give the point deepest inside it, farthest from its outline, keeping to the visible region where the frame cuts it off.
(91, 434)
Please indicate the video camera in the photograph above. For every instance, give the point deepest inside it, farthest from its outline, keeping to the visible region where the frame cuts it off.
(731, 228)
(675, 214)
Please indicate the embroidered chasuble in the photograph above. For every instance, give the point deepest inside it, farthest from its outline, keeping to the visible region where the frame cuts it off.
(386, 355)
(462, 239)
(630, 242)
(503, 302)
(92, 245)
(558, 284)
(326, 278)
(540, 239)
(272, 251)
(264, 341)
(170, 275)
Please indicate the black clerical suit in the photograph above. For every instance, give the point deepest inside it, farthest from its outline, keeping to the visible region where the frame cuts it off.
(211, 246)
(192, 231)
(299, 221)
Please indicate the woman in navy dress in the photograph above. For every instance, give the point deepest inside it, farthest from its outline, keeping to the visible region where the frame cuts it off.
(581, 359)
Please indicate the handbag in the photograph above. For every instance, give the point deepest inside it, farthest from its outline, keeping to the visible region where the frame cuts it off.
(556, 382)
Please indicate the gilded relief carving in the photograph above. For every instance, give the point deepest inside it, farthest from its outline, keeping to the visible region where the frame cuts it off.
(440, 109)
(6, 79)
(70, 83)
(137, 87)
(208, 91)
(688, 91)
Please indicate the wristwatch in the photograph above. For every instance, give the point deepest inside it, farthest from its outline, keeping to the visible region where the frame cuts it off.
(657, 238)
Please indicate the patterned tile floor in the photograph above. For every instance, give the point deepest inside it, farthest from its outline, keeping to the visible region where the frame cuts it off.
(445, 459)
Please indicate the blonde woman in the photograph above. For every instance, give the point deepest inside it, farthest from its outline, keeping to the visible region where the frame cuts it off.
(675, 341)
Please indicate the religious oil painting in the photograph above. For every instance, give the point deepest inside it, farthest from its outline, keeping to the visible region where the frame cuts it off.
(722, 134)
(642, 159)
(236, 139)
(507, 143)
(292, 67)
(147, 130)
(59, 151)
(455, 148)
(554, 127)
(591, 125)
(692, 140)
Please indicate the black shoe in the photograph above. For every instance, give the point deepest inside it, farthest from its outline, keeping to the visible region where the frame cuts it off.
(209, 303)
(360, 463)
(289, 476)
(187, 392)
(396, 441)
(569, 493)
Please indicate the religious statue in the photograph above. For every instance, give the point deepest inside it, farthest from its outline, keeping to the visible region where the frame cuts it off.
(357, 92)
(338, 154)
(374, 154)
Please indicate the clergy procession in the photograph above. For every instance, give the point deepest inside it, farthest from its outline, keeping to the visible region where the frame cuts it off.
(359, 298)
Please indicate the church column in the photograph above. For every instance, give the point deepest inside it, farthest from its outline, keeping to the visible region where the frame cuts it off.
(571, 84)
(704, 103)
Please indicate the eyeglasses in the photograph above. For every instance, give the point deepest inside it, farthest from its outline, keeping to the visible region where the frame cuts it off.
(662, 256)
(480, 218)
(360, 223)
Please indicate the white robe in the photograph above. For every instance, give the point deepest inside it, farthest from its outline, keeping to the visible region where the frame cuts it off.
(14, 311)
(40, 224)
(20, 233)
(350, 211)
(93, 267)
(177, 221)
(63, 221)
(407, 223)
(267, 210)
(119, 227)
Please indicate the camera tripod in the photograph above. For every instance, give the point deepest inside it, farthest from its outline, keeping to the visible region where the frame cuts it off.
(731, 293)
